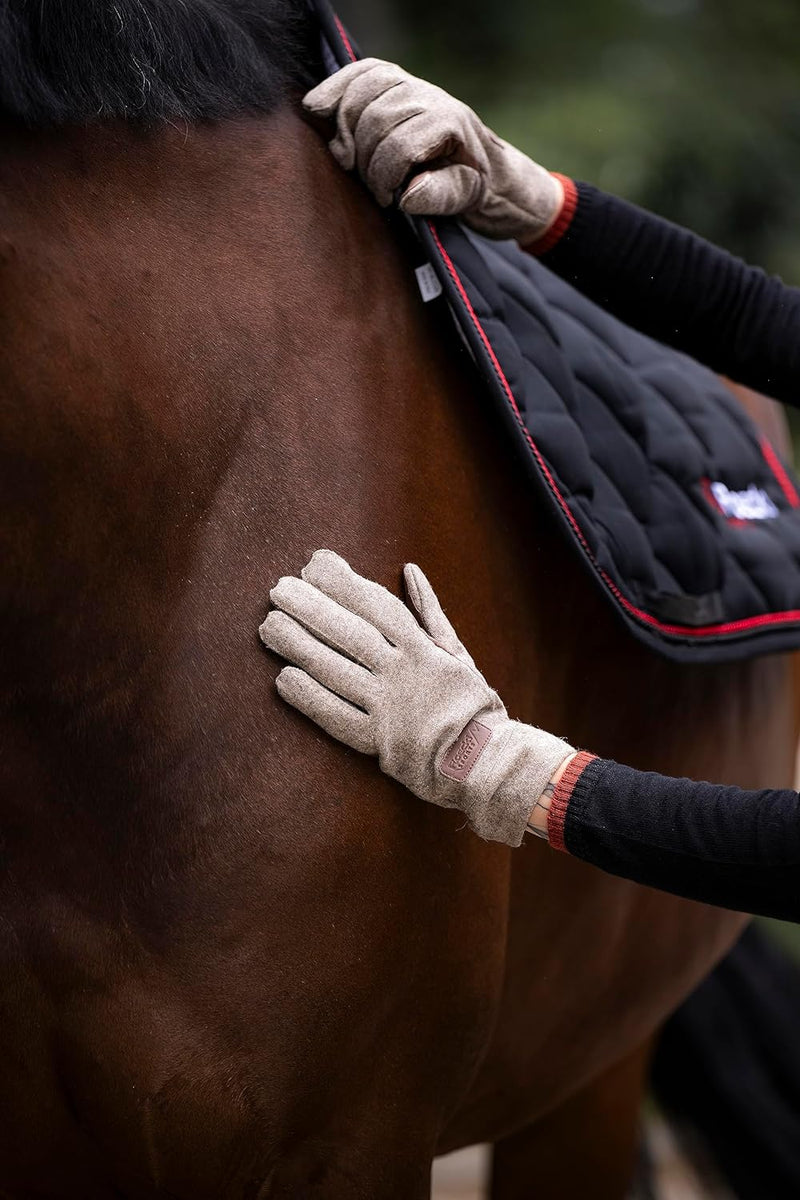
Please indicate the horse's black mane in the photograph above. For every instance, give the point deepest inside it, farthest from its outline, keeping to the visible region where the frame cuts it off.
(72, 61)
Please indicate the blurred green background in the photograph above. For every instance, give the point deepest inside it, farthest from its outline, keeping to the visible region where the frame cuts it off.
(690, 107)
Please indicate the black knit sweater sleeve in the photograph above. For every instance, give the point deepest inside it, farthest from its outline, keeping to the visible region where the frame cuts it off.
(681, 290)
(722, 845)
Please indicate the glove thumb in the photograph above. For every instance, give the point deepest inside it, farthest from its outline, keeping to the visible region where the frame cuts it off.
(444, 192)
(430, 614)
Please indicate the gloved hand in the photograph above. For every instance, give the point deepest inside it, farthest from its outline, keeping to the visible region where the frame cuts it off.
(386, 683)
(389, 123)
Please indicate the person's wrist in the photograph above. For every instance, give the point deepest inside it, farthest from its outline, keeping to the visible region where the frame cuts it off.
(517, 765)
(540, 813)
(540, 199)
(559, 199)
(560, 220)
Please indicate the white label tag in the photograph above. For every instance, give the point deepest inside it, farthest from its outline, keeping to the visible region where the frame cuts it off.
(428, 282)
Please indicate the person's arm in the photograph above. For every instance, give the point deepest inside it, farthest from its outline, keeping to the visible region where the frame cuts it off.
(721, 845)
(409, 138)
(401, 686)
(678, 288)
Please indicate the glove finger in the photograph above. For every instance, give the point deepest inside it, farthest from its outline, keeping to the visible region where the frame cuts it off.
(336, 625)
(384, 612)
(393, 108)
(417, 140)
(447, 191)
(339, 674)
(431, 615)
(359, 93)
(324, 99)
(338, 718)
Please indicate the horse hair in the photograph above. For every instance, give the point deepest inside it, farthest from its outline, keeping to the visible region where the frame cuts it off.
(77, 61)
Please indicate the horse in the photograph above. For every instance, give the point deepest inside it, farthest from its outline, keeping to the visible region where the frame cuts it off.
(237, 960)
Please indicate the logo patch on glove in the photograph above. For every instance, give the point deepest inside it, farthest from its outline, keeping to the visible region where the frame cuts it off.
(465, 751)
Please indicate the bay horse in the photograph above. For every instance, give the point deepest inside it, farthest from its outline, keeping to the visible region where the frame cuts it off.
(235, 960)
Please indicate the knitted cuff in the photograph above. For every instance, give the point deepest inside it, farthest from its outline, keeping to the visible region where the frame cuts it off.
(562, 796)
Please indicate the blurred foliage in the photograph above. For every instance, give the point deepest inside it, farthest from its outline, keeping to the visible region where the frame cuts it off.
(690, 107)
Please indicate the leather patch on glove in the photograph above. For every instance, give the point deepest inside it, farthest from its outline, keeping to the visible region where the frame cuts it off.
(465, 751)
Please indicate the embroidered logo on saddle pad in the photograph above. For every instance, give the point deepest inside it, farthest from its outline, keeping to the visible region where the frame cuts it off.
(753, 504)
(465, 751)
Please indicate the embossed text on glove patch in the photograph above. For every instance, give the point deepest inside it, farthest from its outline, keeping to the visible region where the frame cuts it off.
(465, 751)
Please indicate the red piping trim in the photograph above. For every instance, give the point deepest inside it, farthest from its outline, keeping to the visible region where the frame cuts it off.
(705, 484)
(562, 795)
(345, 39)
(776, 466)
(790, 616)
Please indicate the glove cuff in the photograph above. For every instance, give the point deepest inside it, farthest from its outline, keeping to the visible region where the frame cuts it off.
(522, 199)
(518, 765)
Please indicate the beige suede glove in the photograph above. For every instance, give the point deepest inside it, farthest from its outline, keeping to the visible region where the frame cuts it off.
(389, 124)
(385, 683)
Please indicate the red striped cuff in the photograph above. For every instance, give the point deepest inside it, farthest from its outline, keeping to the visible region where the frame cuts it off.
(562, 221)
(562, 796)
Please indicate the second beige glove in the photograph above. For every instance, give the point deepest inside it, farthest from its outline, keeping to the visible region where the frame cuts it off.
(371, 675)
(390, 123)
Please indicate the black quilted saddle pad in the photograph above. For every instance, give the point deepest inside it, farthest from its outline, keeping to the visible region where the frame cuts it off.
(682, 512)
